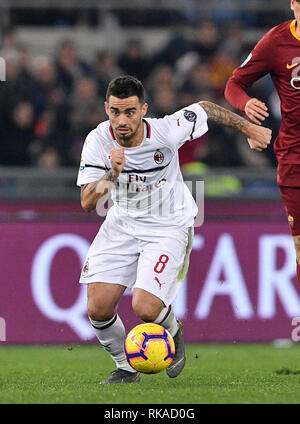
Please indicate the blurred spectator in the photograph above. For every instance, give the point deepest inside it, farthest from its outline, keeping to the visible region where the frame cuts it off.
(105, 69)
(69, 66)
(197, 79)
(185, 98)
(184, 64)
(17, 132)
(50, 94)
(233, 41)
(19, 84)
(176, 47)
(221, 68)
(164, 102)
(48, 158)
(8, 40)
(86, 111)
(161, 77)
(134, 61)
(84, 101)
(206, 40)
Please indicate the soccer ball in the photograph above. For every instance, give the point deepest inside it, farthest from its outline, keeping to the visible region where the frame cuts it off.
(149, 348)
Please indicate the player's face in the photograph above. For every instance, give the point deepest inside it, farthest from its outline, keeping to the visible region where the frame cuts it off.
(125, 116)
(295, 6)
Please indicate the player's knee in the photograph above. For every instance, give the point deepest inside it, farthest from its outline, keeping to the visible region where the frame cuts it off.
(146, 306)
(146, 316)
(98, 311)
(146, 313)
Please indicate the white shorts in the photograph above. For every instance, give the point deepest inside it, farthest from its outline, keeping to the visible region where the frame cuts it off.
(155, 261)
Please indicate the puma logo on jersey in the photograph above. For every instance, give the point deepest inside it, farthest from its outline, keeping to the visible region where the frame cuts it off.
(159, 283)
(107, 346)
(292, 65)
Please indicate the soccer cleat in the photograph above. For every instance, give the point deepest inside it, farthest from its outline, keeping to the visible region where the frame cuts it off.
(122, 376)
(178, 363)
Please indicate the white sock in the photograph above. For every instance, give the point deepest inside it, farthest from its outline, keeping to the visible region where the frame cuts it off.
(111, 335)
(167, 319)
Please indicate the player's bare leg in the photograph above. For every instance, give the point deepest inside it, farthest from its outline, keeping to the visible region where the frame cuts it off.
(297, 247)
(102, 301)
(150, 308)
(146, 306)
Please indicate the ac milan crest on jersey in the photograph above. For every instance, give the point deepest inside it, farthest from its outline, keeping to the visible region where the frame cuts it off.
(159, 157)
(85, 267)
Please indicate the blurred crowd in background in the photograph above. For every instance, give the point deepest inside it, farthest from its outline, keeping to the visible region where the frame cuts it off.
(49, 104)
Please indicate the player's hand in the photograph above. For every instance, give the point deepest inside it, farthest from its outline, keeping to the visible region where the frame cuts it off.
(117, 160)
(258, 137)
(256, 110)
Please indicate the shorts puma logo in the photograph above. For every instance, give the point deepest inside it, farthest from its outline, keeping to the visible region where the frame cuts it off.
(159, 283)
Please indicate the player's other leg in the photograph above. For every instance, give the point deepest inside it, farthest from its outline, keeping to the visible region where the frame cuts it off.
(288, 178)
(150, 308)
(297, 247)
(102, 301)
(162, 265)
(290, 197)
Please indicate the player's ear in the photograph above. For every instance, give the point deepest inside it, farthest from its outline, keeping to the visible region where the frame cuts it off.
(144, 109)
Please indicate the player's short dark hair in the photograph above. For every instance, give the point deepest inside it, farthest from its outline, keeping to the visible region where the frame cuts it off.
(126, 86)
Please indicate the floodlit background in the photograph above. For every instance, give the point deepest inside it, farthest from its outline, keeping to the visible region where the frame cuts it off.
(56, 61)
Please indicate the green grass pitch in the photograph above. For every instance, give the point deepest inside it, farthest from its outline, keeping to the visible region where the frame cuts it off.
(217, 374)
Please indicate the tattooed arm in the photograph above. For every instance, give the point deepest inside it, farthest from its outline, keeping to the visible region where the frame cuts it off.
(258, 137)
(92, 192)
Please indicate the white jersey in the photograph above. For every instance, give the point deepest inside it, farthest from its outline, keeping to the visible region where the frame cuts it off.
(150, 189)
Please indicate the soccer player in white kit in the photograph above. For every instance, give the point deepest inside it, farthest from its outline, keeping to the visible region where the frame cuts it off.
(146, 238)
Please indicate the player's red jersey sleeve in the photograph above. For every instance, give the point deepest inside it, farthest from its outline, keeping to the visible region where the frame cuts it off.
(254, 67)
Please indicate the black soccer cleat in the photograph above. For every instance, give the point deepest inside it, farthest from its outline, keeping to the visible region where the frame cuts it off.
(122, 376)
(178, 363)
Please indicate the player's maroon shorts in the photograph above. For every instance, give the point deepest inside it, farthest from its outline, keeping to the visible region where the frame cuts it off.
(288, 178)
